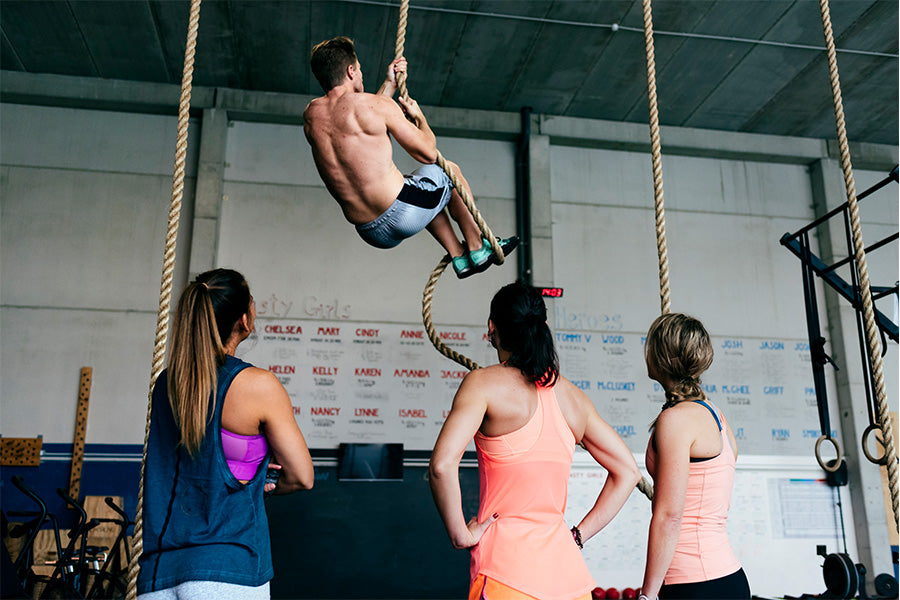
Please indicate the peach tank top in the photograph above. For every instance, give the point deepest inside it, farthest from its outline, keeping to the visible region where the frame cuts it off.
(524, 478)
(703, 551)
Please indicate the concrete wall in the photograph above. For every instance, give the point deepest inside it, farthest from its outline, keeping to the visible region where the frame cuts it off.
(84, 205)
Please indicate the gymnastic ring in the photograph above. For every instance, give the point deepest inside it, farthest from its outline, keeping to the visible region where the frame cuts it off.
(865, 445)
(837, 449)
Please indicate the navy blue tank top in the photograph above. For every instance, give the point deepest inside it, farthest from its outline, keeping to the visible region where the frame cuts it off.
(200, 522)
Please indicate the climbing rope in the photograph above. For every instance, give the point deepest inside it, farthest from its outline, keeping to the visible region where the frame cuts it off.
(656, 156)
(429, 326)
(665, 298)
(427, 295)
(889, 460)
(165, 293)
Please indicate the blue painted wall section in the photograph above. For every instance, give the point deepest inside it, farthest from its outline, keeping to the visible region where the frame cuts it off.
(109, 470)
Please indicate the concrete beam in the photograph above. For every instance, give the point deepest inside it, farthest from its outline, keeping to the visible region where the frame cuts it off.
(541, 210)
(684, 141)
(264, 107)
(874, 157)
(100, 94)
(271, 107)
(208, 194)
(244, 105)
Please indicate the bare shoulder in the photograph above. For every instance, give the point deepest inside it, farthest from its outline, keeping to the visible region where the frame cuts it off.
(568, 394)
(678, 423)
(315, 106)
(365, 101)
(484, 377)
(564, 387)
(314, 118)
(575, 405)
(371, 112)
(257, 382)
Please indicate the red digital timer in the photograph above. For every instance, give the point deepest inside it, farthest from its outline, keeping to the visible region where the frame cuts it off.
(551, 292)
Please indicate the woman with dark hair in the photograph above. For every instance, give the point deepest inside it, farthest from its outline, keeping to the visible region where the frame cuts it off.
(526, 420)
(216, 423)
(691, 457)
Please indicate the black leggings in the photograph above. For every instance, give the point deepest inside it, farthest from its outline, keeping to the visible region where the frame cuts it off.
(730, 587)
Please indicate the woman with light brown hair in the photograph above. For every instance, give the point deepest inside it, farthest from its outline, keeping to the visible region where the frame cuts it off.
(691, 457)
(216, 424)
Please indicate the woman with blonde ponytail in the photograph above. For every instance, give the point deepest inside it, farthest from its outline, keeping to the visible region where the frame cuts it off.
(218, 425)
(691, 457)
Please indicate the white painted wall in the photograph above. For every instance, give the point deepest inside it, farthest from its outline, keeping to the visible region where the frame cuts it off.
(85, 198)
(723, 222)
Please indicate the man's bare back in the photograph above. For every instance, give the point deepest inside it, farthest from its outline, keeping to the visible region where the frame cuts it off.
(350, 134)
(353, 154)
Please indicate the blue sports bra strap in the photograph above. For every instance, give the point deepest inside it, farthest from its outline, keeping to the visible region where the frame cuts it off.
(712, 410)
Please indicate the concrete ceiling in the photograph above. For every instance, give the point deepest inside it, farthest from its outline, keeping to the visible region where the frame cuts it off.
(560, 57)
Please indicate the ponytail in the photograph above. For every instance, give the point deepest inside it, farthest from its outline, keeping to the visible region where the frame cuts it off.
(204, 318)
(520, 316)
(684, 390)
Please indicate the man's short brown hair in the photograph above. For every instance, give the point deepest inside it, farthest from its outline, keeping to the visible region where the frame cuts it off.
(330, 60)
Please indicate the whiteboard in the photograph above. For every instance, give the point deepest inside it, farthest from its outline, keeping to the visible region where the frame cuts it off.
(764, 386)
(352, 381)
(365, 382)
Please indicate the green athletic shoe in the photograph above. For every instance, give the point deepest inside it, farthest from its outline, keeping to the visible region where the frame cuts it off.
(462, 266)
(484, 257)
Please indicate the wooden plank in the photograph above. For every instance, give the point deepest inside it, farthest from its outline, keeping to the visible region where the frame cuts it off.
(20, 452)
(81, 414)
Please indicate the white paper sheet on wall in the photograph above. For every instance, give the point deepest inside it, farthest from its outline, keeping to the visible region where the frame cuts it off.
(804, 508)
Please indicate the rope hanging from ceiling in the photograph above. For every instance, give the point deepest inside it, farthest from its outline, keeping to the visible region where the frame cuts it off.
(165, 293)
(428, 293)
(889, 458)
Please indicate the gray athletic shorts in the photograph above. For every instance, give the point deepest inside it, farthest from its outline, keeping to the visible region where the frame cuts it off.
(209, 590)
(425, 193)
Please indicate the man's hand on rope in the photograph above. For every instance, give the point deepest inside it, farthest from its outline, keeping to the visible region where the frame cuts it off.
(389, 87)
(411, 110)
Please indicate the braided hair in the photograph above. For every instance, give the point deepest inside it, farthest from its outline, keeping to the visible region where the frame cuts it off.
(678, 349)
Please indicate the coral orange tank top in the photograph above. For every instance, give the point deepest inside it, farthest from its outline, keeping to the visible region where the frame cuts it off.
(703, 551)
(524, 478)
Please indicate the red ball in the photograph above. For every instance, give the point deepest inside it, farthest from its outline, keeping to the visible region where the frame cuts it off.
(598, 593)
(629, 594)
(612, 594)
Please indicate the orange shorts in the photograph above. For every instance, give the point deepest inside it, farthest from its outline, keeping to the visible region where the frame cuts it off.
(484, 588)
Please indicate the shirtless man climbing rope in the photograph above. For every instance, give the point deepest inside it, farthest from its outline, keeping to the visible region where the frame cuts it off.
(350, 134)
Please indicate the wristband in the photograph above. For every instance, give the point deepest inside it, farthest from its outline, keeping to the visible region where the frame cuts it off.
(272, 476)
(576, 535)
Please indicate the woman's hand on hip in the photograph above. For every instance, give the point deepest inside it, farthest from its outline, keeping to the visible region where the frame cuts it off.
(475, 529)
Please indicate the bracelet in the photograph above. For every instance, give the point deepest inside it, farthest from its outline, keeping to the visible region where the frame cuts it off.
(646, 597)
(576, 535)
